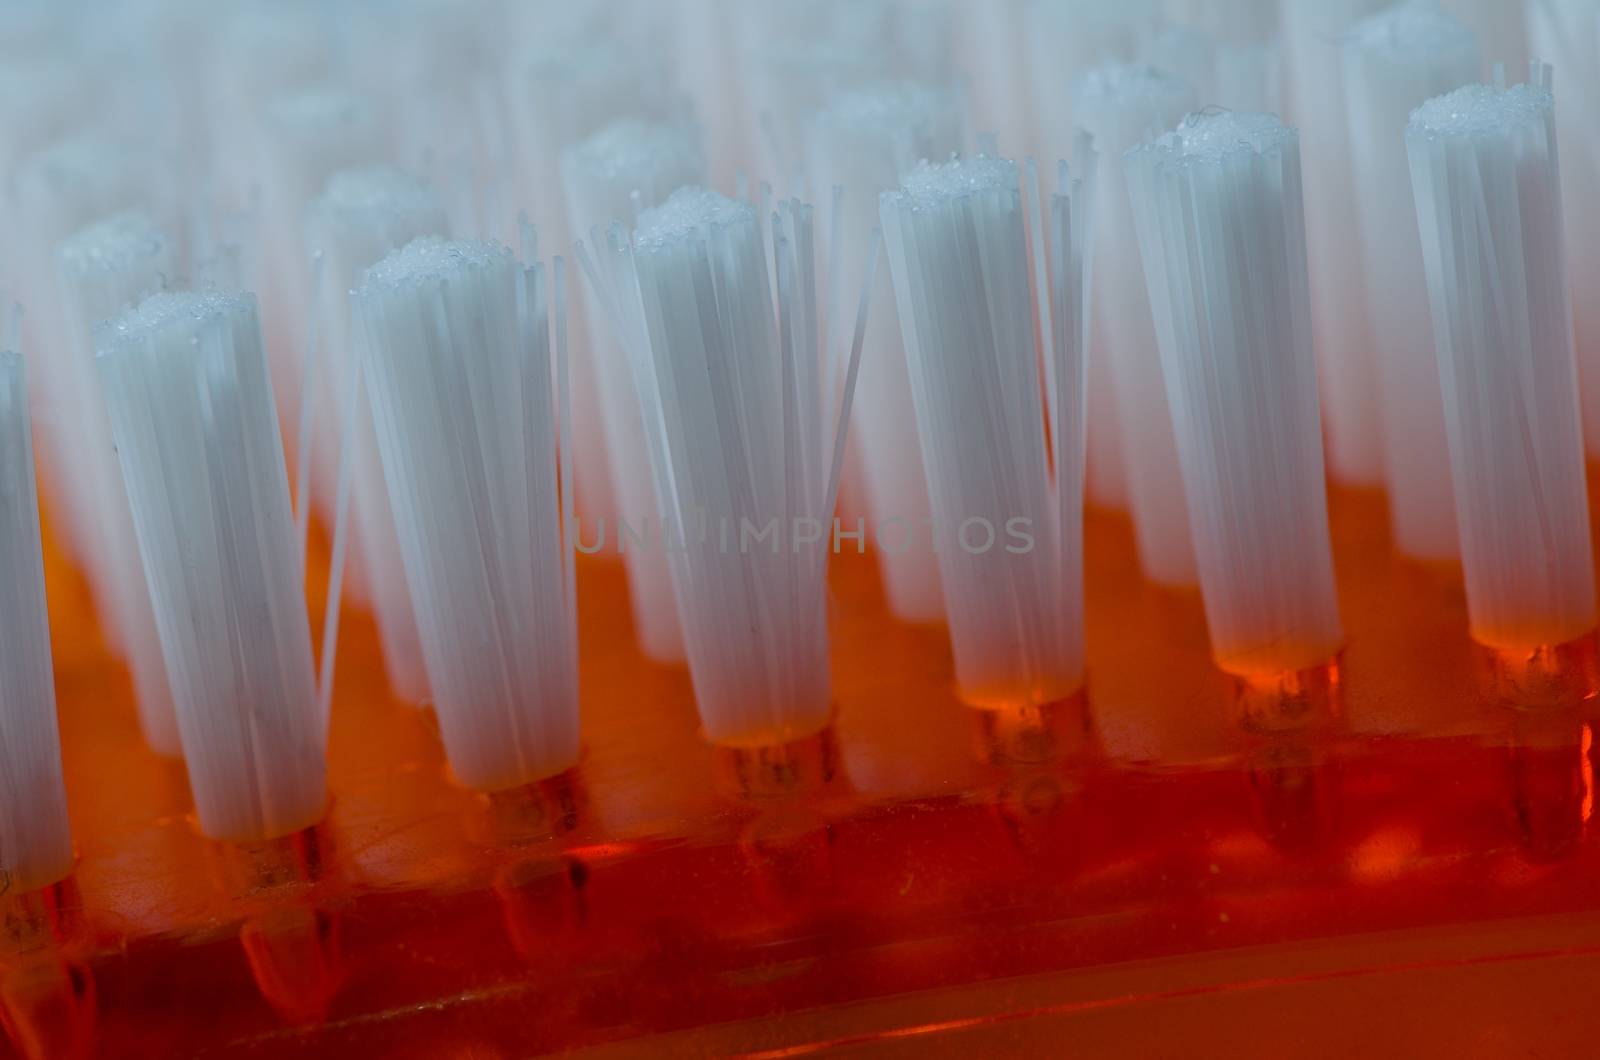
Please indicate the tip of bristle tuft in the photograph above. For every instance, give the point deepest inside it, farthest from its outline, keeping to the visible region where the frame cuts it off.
(1482, 111)
(114, 244)
(887, 108)
(631, 151)
(685, 212)
(381, 190)
(76, 159)
(1115, 83)
(325, 109)
(934, 184)
(432, 259)
(1210, 138)
(163, 312)
(1407, 29)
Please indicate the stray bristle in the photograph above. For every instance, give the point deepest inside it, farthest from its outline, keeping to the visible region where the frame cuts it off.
(457, 342)
(1393, 61)
(734, 422)
(360, 217)
(1339, 320)
(1120, 105)
(1498, 292)
(1217, 207)
(35, 836)
(627, 167)
(958, 254)
(306, 135)
(861, 145)
(110, 266)
(191, 410)
(1063, 40)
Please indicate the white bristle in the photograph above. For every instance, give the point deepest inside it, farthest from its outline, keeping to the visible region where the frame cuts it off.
(1217, 207)
(628, 166)
(1393, 61)
(561, 94)
(1250, 76)
(1340, 328)
(989, 38)
(305, 136)
(1182, 52)
(1248, 65)
(1063, 38)
(790, 80)
(60, 189)
(263, 48)
(35, 836)
(460, 384)
(862, 144)
(40, 99)
(1238, 76)
(1012, 590)
(733, 416)
(1120, 105)
(1067, 37)
(191, 408)
(361, 216)
(104, 269)
(797, 54)
(1501, 26)
(312, 133)
(1239, 43)
(1483, 167)
(1566, 33)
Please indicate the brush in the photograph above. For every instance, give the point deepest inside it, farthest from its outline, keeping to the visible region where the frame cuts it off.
(1483, 164)
(191, 408)
(654, 729)
(35, 836)
(988, 40)
(456, 336)
(1217, 205)
(1393, 61)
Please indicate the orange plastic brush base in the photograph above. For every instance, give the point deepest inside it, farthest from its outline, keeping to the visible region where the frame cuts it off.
(1134, 870)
